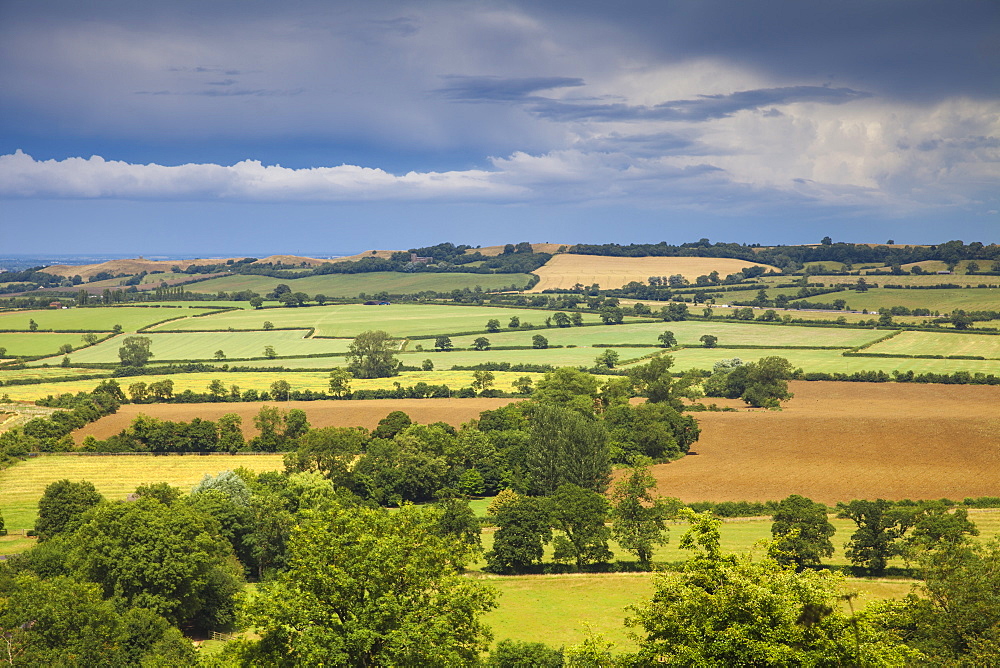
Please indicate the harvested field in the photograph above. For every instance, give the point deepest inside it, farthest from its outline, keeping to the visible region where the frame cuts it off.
(565, 270)
(492, 251)
(841, 441)
(321, 413)
(932, 343)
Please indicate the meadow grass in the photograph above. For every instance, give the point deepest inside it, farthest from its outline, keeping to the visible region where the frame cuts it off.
(102, 319)
(687, 332)
(932, 343)
(352, 285)
(555, 356)
(29, 344)
(348, 320)
(203, 345)
(22, 485)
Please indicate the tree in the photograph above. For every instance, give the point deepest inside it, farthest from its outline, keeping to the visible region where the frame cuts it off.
(514, 323)
(32, 325)
(372, 354)
(667, 339)
(655, 381)
(881, 527)
(217, 389)
(482, 380)
(135, 351)
(427, 365)
(320, 299)
(608, 359)
(724, 610)
(392, 424)
(539, 341)
(611, 315)
(162, 389)
(340, 382)
(492, 325)
(220, 355)
(269, 352)
(638, 519)
(708, 340)
(170, 559)
(443, 343)
(256, 302)
(280, 390)
(481, 343)
(62, 505)
(523, 385)
(342, 600)
(523, 529)
(330, 451)
(268, 325)
(566, 447)
(826, 241)
(138, 392)
(581, 515)
(801, 532)
(576, 318)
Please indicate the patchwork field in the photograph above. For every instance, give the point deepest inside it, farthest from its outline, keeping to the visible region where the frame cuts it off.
(687, 332)
(22, 485)
(36, 343)
(101, 319)
(564, 271)
(203, 345)
(932, 343)
(349, 320)
(841, 441)
(352, 285)
(944, 300)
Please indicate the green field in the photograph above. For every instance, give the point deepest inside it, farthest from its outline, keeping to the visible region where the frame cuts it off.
(28, 344)
(932, 343)
(944, 300)
(687, 333)
(22, 484)
(203, 345)
(349, 320)
(102, 319)
(34, 372)
(352, 285)
(555, 356)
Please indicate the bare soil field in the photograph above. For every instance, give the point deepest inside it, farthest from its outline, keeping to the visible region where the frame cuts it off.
(841, 441)
(320, 413)
(565, 270)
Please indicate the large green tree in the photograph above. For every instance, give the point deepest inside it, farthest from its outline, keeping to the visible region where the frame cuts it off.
(638, 519)
(523, 529)
(62, 505)
(801, 532)
(581, 515)
(372, 354)
(881, 526)
(566, 447)
(369, 588)
(135, 351)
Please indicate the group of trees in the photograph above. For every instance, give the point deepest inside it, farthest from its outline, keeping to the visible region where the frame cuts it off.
(763, 383)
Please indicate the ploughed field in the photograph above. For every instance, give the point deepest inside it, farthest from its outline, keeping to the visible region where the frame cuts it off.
(320, 413)
(841, 441)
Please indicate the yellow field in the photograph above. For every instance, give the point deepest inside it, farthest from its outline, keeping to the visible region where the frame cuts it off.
(564, 271)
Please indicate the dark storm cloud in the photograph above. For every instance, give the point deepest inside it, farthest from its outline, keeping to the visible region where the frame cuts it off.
(913, 49)
(500, 89)
(702, 108)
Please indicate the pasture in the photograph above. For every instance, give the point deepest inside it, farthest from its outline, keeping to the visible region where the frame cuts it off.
(841, 441)
(582, 356)
(320, 413)
(203, 345)
(687, 332)
(564, 271)
(370, 283)
(29, 344)
(944, 300)
(932, 343)
(22, 484)
(99, 319)
(349, 320)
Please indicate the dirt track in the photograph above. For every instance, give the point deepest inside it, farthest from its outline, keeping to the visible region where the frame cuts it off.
(321, 413)
(841, 441)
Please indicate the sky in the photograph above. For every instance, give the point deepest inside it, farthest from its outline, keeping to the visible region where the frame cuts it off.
(319, 128)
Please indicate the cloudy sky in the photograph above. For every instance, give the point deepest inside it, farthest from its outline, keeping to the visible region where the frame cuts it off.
(218, 127)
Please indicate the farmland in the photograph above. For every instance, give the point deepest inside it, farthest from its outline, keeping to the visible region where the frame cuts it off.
(841, 441)
(352, 285)
(932, 343)
(100, 319)
(349, 320)
(36, 343)
(564, 271)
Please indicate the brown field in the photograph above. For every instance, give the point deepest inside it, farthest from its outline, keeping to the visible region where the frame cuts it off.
(320, 413)
(842, 441)
(565, 270)
(139, 264)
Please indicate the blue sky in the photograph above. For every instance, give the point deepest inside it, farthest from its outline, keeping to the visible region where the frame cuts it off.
(226, 128)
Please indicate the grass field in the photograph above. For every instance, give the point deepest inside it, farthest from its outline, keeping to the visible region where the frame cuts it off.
(944, 300)
(22, 485)
(203, 345)
(349, 320)
(564, 271)
(687, 333)
(101, 319)
(583, 356)
(36, 343)
(351, 285)
(32, 372)
(932, 343)
(842, 441)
